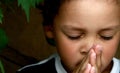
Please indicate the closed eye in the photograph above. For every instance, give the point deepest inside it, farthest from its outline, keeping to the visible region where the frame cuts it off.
(73, 37)
(106, 37)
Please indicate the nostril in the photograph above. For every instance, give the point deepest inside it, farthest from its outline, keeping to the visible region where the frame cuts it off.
(85, 49)
(84, 52)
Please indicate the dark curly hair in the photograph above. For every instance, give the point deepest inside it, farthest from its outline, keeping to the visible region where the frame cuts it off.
(50, 9)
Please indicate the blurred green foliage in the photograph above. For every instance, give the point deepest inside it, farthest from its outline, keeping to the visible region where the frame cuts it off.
(3, 39)
(1, 67)
(3, 43)
(25, 5)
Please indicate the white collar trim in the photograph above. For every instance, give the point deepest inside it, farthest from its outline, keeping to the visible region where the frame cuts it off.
(58, 65)
(116, 66)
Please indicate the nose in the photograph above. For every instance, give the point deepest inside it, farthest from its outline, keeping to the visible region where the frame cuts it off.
(87, 45)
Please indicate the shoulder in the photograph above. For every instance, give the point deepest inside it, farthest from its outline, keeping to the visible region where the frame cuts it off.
(45, 66)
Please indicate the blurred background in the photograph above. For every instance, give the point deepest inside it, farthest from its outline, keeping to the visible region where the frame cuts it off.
(27, 43)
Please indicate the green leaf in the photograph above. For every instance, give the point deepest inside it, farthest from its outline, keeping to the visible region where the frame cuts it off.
(27, 4)
(3, 39)
(1, 67)
(1, 15)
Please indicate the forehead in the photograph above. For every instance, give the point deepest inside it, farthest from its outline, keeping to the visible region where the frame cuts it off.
(107, 1)
(90, 3)
(89, 11)
(89, 7)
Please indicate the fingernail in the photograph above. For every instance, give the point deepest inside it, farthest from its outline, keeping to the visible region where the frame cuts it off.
(99, 48)
(93, 55)
(88, 66)
(93, 70)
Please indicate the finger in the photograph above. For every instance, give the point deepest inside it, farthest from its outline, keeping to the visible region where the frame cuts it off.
(92, 70)
(82, 66)
(93, 58)
(98, 51)
(88, 68)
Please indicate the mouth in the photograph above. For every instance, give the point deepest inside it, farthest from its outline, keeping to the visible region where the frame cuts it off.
(78, 64)
(81, 61)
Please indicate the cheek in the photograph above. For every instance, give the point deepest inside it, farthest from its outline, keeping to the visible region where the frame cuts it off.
(68, 51)
(110, 49)
(109, 52)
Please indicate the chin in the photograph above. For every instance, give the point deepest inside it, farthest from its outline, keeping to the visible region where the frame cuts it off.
(107, 67)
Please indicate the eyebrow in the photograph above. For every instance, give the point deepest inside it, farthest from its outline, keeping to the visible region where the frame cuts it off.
(75, 28)
(117, 27)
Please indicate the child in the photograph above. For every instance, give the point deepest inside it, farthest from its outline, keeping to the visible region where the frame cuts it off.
(86, 33)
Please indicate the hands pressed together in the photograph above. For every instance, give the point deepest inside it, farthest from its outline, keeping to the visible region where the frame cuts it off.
(91, 62)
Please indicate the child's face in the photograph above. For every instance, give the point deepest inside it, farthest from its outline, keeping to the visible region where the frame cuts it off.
(81, 24)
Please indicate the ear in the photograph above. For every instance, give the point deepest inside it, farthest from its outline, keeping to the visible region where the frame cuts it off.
(48, 29)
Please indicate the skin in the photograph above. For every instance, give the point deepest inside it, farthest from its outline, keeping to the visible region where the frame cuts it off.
(87, 35)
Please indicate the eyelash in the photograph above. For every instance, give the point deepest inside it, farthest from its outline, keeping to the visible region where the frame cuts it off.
(103, 37)
(107, 38)
(73, 38)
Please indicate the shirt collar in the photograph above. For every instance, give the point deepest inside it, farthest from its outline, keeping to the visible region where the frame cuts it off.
(116, 66)
(58, 65)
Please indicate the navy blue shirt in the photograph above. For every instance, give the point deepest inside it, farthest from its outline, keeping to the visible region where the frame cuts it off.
(48, 67)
